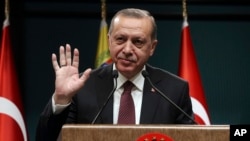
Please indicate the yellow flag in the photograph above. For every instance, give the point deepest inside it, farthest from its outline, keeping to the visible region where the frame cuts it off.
(102, 56)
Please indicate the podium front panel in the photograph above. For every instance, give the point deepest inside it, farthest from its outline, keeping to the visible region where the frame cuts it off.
(83, 132)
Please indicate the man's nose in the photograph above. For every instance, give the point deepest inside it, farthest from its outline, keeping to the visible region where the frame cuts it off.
(128, 46)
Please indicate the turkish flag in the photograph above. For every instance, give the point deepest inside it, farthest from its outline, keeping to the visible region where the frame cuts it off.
(188, 70)
(12, 126)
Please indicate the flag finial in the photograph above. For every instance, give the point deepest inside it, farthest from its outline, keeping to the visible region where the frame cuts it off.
(103, 9)
(184, 10)
(6, 9)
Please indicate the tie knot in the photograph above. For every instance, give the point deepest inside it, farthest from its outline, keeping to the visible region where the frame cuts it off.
(128, 86)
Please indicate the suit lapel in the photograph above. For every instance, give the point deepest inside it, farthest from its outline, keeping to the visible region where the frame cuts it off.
(104, 87)
(150, 101)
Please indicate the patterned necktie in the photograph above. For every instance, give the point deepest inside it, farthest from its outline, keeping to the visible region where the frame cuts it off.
(127, 108)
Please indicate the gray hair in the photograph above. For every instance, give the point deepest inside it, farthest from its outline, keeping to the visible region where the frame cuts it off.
(135, 13)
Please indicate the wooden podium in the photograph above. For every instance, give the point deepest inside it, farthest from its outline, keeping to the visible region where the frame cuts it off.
(82, 132)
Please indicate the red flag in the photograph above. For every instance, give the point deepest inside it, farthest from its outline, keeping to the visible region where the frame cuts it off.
(188, 70)
(12, 126)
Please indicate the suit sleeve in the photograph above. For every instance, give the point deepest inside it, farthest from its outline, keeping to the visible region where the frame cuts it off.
(186, 106)
(49, 125)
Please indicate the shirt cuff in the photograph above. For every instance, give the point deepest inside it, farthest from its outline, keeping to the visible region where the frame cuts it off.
(58, 108)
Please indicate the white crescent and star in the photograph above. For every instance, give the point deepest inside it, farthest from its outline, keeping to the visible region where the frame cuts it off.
(9, 108)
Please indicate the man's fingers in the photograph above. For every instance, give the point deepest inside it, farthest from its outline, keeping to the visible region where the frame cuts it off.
(75, 62)
(54, 62)
(62, 56)
(86, 74)
(68, 55)
(65, 57)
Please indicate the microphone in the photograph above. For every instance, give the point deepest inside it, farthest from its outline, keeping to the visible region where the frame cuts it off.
(115, 75)
(146, 76)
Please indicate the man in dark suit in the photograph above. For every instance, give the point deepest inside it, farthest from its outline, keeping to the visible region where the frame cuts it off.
(132, 40)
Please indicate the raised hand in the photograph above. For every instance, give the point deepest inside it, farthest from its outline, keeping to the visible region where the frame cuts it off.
(67, 81)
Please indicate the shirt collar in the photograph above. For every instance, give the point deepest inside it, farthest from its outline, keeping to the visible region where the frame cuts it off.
(137, 80)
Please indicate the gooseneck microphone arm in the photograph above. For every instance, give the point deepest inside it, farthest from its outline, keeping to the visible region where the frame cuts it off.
(146, 76)
(115, 75)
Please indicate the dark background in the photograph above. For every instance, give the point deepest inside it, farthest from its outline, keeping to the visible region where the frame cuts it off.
(219, 28)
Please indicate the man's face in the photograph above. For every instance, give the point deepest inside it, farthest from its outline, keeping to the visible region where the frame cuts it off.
(130, 44)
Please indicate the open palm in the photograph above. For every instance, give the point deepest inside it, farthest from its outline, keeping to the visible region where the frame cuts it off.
(68, 81)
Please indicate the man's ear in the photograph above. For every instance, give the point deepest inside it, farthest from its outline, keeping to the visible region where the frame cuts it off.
(153, 46)
(109, 41)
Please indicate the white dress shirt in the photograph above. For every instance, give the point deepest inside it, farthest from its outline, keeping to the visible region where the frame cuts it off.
(136, 93)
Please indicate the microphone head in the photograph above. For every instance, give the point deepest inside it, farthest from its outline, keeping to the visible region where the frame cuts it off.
(145, 73)
(115, 73)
